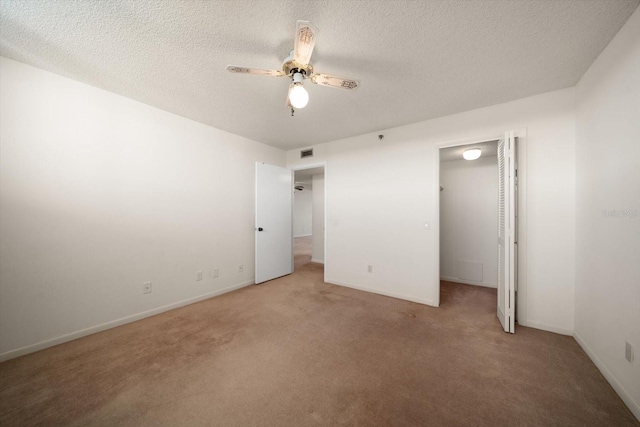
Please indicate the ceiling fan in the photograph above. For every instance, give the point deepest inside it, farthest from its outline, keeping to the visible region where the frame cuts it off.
(297, 67)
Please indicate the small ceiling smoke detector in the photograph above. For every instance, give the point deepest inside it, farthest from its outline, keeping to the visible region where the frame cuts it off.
(472, 154)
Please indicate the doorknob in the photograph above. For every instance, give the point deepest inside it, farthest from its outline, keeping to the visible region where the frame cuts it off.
(260, 229)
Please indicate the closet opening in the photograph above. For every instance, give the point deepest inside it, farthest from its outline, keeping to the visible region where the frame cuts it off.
(479, 226)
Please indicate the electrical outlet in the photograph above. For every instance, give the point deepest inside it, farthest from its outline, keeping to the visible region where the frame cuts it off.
(146, 288)
(198, 275)
(628, 352)
(370, 268)
(215, 273)
(240, 268)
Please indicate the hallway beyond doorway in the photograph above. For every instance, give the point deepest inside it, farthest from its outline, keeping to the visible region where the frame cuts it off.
(302, 247)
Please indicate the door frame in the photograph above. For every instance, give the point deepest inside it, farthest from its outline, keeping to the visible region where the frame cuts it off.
(521, 268)
(307, 166)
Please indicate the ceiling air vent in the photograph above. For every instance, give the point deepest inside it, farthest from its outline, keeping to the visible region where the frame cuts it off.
(306, 153)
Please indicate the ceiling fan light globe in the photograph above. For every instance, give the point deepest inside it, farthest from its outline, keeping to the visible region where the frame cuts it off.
(298, 96)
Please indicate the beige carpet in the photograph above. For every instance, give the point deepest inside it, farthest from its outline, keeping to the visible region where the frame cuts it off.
(298, 352)
(302, 247)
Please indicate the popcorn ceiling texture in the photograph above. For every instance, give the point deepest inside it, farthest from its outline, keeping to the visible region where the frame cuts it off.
(414, 60)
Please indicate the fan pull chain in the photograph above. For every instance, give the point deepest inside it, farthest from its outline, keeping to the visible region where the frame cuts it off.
(292, 111)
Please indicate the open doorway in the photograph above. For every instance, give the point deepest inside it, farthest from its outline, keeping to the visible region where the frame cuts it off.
(469, 222)
(308, 218)
(469, 215)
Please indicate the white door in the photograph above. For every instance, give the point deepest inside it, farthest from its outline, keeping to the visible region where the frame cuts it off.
(507, 231)
(274, 225)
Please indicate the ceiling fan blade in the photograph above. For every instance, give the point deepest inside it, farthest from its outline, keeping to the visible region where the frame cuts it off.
(305, 41)
(257, 71)
(334, 81)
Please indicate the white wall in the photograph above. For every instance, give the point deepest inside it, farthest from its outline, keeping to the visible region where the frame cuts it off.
(317, 249)
(303, 212)
(380, 193)
(469, 221)
(99, 194)
(608, 242)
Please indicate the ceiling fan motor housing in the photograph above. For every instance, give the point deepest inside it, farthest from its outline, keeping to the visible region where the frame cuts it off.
(290, 67)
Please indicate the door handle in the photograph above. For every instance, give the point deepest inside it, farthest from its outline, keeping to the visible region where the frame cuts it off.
(260, 229)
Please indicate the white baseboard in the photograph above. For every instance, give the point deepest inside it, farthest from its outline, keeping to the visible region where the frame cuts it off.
(388, 294)
(622, 392)
(319, 261)
(467, 282)
(11, 354)
(548, 328)
(302, 235)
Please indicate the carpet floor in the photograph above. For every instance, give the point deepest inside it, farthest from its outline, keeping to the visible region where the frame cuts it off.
(302, 247)
(299, 352)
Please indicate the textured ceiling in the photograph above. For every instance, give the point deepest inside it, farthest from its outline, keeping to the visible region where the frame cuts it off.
(415, 60)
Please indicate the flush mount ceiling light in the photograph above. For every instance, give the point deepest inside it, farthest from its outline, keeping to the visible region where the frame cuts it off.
(297, 67)
(472, 154)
